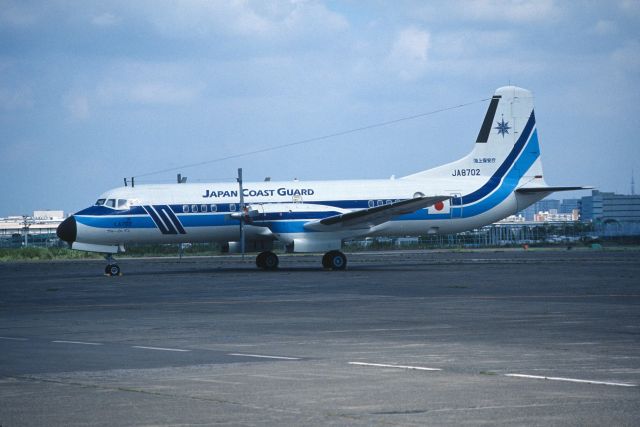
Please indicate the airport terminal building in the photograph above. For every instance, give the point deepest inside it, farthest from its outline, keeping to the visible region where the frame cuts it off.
(36, 230)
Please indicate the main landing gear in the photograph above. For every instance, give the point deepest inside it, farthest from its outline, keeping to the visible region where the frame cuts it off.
(334, 260)
(267, 260)
(112, 269)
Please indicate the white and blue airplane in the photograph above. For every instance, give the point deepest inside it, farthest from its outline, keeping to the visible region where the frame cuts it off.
(501, 176)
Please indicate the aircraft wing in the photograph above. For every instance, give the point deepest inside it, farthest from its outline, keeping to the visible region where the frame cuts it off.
(367, 218)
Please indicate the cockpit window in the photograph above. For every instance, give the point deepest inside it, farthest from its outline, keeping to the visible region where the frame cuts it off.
(100, 202)
(122, 203)
(111, 203)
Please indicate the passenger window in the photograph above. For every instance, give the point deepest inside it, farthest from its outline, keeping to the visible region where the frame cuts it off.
(380, 202)
(100, 202)
(185, 208)
(194, 208)
(232, 207)
(203, 208)
(389, 202)
(111, 203)
(214, 208)
(371, 203)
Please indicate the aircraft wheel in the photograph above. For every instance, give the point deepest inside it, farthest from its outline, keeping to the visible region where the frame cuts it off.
(271, 261)
(326, 263)
(260, 260)
(112, 270)
(334, 260)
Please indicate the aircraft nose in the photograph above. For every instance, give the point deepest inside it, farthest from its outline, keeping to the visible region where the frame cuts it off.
(68, 230)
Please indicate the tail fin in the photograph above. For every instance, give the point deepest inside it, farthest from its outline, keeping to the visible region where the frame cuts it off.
(507, 127)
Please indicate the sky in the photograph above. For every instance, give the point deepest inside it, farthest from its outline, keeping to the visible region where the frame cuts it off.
(95, 91)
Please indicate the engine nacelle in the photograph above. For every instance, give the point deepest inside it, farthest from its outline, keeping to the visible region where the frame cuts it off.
(249, 246)
(309, 245)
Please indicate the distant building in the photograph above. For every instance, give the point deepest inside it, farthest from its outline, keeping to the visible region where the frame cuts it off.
(544, 205)
(554, 216)
(613, 214)
(38, 230)
(511, 219)
(567, 206)
(48, 215)
(548, 205)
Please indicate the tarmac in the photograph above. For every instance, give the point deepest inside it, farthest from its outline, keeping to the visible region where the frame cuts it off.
(406, 338)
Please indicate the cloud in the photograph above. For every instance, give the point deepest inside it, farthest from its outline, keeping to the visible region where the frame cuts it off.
(313, 17)
(269, 20)
(605, 27)
(627, 57)
(506, 10)
(12, 99)
(408, 57)
(198, 18)
(148, 93)
(163, 93)
(15, 14)
(78, 106)
(513, 10)
(105, 20)
(632, 6)
(148, 83)
(471, 43)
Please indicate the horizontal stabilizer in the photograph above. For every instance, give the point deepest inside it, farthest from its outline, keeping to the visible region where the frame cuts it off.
(532, 190)
(370, 217)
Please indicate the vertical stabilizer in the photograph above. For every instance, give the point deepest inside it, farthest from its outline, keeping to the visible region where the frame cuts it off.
(508, 126)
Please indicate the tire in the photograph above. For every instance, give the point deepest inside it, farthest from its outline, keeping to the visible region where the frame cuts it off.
(326, 260)
(271, 261)
(334, 260)
(338, 261)
(260, 260)
(113, 270)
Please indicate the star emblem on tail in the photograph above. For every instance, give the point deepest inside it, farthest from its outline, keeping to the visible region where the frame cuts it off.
(503, 127)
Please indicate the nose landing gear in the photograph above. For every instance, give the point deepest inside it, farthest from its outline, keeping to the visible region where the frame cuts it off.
(112, 268)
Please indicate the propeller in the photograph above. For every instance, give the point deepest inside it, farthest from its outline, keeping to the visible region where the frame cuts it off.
(242, 212)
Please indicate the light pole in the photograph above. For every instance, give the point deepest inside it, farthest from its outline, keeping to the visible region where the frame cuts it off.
(25, 229)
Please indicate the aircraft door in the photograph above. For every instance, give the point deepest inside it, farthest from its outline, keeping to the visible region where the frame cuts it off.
(456, 209)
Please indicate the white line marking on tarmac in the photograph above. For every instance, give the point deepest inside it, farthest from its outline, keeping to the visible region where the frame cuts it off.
(382, 365)
(77, 342)
(14, 339)
(159, 348)
(573, 380)
(262, 356)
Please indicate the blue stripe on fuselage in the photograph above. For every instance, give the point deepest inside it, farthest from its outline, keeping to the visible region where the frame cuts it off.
(495, 179)
(101, 221)
(507, 186)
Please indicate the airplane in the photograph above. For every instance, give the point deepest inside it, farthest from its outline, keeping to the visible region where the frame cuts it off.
(502, 175)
